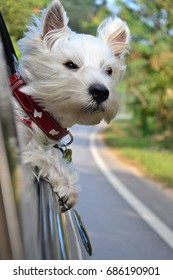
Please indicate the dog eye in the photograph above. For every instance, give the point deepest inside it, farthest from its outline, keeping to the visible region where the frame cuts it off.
(70, 65)
(108, 71)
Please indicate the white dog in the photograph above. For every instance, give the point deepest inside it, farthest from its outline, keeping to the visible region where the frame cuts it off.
(73, 78)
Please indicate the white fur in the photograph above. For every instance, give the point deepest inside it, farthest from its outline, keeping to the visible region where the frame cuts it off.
(64, 93)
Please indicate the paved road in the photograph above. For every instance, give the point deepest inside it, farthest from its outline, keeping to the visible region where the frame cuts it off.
(126, 215)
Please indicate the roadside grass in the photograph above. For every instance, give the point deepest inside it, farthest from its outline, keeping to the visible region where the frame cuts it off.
(153, 154)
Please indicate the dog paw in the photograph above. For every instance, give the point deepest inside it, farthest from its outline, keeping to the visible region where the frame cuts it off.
(67, 202)
(61, 175)
(66, 189)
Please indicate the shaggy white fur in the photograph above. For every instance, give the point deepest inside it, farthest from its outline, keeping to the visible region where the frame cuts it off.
(73, 77)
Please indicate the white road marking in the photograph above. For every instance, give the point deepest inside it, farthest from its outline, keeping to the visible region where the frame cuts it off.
(148, 216)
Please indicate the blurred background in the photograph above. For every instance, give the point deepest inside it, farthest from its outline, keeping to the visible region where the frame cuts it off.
(146, 93)
(141, 134)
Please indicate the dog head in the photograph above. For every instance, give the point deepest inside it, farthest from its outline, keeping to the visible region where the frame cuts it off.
(74, 76)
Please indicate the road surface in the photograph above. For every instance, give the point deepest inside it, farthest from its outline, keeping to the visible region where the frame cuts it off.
(126, 215)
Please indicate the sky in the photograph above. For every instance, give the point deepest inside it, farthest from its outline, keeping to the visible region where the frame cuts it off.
(111, 3)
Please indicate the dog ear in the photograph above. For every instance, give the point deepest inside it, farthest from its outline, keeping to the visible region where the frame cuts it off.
(55, 18)
(115, 33)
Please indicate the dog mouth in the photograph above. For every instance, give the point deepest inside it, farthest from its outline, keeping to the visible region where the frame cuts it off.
(95, 108)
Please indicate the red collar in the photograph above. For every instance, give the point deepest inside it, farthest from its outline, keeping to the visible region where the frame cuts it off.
(44, 121)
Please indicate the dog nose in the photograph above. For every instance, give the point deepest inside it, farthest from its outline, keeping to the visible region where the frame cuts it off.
(99, 92)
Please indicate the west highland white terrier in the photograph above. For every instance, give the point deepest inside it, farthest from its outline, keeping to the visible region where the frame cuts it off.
(71, 79)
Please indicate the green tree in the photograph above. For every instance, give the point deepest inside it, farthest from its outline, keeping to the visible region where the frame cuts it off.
(18, 13)
(85, 16)
(78, 12)
(150, 63)
(100, 12)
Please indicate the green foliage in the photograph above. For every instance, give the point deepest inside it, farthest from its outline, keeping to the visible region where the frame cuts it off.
(85, 16)
(100, 14)
(149, 74)
(79, 11)
(150, 153)
(18, 13)
(15, 47)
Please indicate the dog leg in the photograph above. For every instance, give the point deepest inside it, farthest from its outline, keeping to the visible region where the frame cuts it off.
(61, 175)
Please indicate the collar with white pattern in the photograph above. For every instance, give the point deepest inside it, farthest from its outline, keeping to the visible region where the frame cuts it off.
(42, 118)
